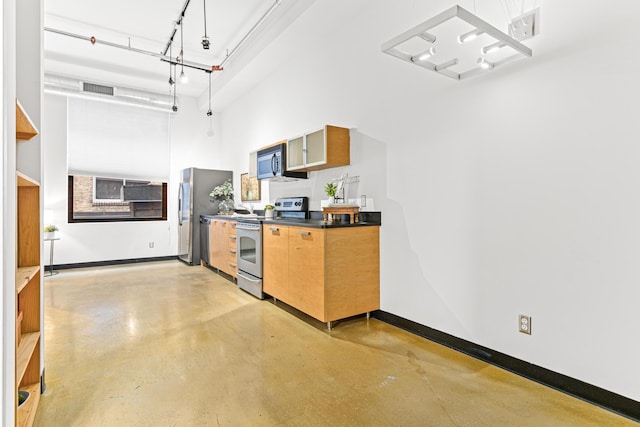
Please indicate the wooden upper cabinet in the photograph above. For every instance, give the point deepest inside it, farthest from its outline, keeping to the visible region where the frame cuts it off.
(322, 149)
(25, 129)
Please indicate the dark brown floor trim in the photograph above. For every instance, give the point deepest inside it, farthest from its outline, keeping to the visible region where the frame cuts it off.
(598, 396)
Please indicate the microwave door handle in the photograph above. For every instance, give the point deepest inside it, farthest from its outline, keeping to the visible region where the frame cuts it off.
(274, 164)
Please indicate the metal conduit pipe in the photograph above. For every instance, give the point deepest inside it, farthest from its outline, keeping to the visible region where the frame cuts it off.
(162, 57)
(252, 30)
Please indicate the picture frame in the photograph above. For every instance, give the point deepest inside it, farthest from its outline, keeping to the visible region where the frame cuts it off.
(249, 188)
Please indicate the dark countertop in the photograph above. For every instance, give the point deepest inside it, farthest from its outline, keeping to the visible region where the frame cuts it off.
(316, 220)
(232, 218)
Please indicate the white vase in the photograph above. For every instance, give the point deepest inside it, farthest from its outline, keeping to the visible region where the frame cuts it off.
(268, 213)
(332, 200)
(49, 235)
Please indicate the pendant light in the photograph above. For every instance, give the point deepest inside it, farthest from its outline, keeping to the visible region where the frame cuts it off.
(209, 112)
(171, 81)
(205, 39)
(183, 76)
(175, 89)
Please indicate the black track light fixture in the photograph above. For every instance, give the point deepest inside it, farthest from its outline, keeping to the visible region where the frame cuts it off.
(174, 108)
(171, 81)
(205, 39)
(183, 76)
(209, 112)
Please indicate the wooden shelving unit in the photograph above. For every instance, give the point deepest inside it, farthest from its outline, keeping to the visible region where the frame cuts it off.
(25, 129)
(28, 278)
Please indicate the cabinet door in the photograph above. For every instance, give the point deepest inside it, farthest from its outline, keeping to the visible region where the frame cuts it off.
(316, 148)
(218, 246)
(275, 260)
(306, 270)
(295, 150)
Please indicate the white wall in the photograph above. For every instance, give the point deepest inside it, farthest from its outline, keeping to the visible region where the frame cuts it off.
(89, 242)
(514, 192)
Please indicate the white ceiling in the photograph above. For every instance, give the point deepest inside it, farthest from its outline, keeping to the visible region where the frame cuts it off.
(147, 25)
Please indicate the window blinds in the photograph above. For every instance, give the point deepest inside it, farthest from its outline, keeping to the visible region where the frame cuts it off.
(119, 141)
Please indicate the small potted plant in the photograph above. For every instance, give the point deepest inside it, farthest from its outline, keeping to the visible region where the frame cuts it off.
(268, 211)
(330, 190)
(50, 231)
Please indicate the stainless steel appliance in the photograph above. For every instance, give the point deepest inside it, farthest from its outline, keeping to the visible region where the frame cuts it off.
(249, 253)
(272, 164)
(205, 223)
(193, 201)
(292, 207)
(249, 242)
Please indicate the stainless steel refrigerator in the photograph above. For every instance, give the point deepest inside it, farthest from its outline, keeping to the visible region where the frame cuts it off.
(193, 201)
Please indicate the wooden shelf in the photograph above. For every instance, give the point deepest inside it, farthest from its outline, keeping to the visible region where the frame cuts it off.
(25, 181)
(24, 276)
(27, 412)
(25, 129)
(25, 350)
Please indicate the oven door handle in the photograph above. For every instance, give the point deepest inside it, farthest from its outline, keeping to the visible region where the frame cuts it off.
(247, 278)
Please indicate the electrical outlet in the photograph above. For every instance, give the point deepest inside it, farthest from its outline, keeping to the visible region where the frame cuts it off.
(524, 324)
(151, 245)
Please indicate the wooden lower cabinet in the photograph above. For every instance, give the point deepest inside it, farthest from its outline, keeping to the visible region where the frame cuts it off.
(222, 246)
(328, 274)
(275, 261)
(306, 270)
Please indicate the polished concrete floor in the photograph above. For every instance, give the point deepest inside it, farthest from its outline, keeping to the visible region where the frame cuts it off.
(164, 344)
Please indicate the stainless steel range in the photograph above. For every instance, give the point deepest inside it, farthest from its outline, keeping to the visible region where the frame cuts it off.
(249, 242)
(249, 250)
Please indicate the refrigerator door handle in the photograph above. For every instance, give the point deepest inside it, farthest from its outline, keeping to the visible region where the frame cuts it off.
(180, 205)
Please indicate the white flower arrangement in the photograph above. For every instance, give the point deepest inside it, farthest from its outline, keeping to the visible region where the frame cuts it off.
(222, 191)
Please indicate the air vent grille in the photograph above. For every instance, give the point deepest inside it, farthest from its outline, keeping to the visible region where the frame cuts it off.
(94, 88)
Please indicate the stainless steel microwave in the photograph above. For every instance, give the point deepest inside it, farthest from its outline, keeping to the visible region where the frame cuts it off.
(272, 164)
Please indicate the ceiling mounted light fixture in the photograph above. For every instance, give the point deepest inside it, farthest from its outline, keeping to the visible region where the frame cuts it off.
(434, 46)
(209, 112)
(183, 76)
(205, 39)
(174, 88)
(171, 81)
(210, 132)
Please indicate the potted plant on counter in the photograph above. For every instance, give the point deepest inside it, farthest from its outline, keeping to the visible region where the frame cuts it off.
(268, 211)
(50, 232)
(330, 190)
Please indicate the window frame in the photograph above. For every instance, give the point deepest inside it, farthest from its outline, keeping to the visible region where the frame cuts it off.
(70, 212)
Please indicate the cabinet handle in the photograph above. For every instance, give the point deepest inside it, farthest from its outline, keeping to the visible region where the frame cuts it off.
(304, 233)
(224, 224)
(232, 251)
(232, 265)
(274, 229)
(232, 237)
